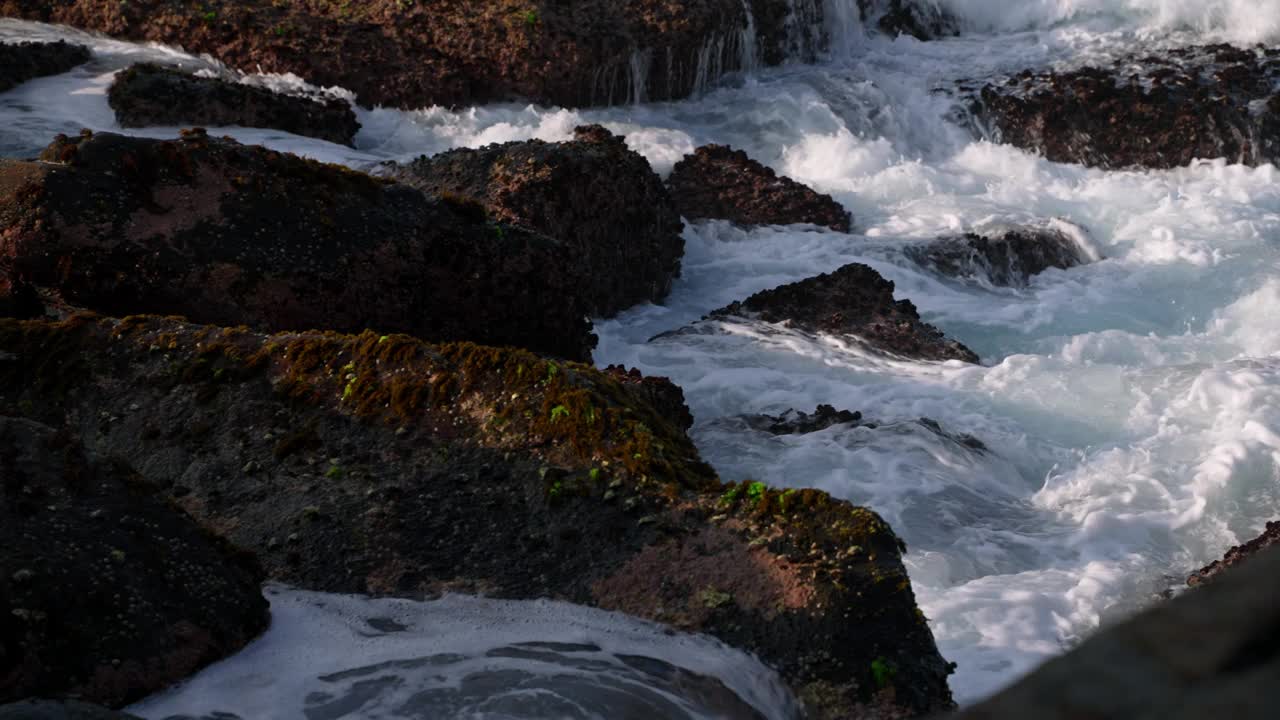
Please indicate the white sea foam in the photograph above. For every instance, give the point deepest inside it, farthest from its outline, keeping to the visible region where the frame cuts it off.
(1130, 407)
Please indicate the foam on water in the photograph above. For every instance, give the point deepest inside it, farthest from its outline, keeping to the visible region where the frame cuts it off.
(1130, 407)
(333, 656)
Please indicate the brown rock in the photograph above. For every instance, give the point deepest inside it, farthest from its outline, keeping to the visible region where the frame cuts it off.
(717, 181)
(599, 198)
(107, 591)
(1236, 555)
(233, 234)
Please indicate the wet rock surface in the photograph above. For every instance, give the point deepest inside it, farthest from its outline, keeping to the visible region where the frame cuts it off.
(596, 196)
(456, 52)
(233, 234)
(388, 466)
(854, 301)
(20, 62)
(59, 710)
(1009, 258)
(1161, 111)
(1210, 651)
(107, 591)
(796, 422)
(147, 94)
(921, 19)
(717, 181)
(1236, 555)
(663, 395)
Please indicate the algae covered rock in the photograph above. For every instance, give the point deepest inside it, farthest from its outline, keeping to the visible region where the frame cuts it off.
(386, 465)
(149, 94)
(233, 234)
(107, 591)
(717, 181)
(594, 194)
(20, 62)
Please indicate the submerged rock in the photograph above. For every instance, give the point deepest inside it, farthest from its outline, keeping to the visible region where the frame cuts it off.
(593, 194)
(921, 19)
(389, 466)
(852, 301)
(20, 62)
(59, 710)
(148, 94)
(469, 52)
(1236, 555)
(232, 234)
(1154, 112)
(1211, 651)
(107, 591)
(717, 181)
(1008, 258)
(795, 422)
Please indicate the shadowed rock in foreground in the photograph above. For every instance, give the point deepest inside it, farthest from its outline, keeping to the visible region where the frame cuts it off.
(717, 181)
(1160, 111)
(385, 465)
(107, 591)
(854, 301)
(595, 195)
(20, 62)
(1211, 652)
(147, 94)
(233, 234)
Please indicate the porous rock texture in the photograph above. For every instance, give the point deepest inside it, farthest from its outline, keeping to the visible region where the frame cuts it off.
(1210, 652)
(1157, 111)
(385, 465)
(232, 234)
(717, 181)
(20, 62)
(595, 195)
(108, 592)
(853, 301)
(147, 94)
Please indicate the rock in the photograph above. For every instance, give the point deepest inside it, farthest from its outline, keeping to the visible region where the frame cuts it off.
(232, 234)
(107, 591)
(663, 395)
(148, 94)
(921, 19)
(794, 422)
(1211, 651)
(412, 54)
(1160, 112)
(717, 181)
(595, 195)
(1236, 555)
(20, 62)
(1007, 258)
(853, 301)
(397, 467)
(59, 710)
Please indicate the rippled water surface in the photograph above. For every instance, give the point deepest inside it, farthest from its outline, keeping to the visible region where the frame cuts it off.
(1130, 407)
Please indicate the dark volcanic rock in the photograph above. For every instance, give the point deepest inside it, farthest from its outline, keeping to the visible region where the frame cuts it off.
(233, 234)
(59, 710)
(107, 591)
(595, 195)
(795, 422)
(1210, 652)
(1154, 112)
(389, 466)
(663, 395)
(717, 181)
(921, 19)
(853, 300)
(21, 62)
(1009, 258)
(148, 94)
(1236, 555)
(463, 52)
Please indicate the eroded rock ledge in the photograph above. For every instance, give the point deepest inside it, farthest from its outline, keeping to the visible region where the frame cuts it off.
(20, 62)
(385, 465)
